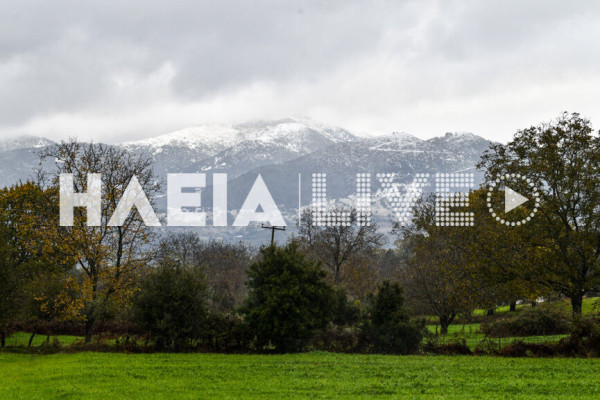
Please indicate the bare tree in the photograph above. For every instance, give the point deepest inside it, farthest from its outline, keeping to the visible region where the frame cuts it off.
(223, 263)
(109, 255)
(338, 246)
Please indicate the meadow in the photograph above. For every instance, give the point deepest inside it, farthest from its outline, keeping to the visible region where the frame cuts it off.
(309, 375)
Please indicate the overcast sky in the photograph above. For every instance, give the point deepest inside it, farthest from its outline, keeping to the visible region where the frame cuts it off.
(122, 70)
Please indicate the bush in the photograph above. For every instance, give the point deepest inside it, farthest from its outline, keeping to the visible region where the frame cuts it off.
(388, 327)
(584, 339)
(338, 339)
(226, 332)
(344, 312)
(288, 300)
(172, 305)
(522, 349)
(537, 321)
(457, 346)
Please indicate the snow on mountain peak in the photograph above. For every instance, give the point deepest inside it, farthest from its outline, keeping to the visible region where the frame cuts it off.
(224, 136)
(192, 137)
(24, 142)
(461, 136)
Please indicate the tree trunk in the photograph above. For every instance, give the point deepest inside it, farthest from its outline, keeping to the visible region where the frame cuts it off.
(443, 328)
(89, 325)
(31, 339)
(513, 306)
(490, 312)
(445, 321)
(576, 304)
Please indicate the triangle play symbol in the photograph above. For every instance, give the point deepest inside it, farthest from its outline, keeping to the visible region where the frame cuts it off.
(512, 199)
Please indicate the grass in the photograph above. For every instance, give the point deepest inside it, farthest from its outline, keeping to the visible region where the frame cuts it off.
(22, 339)
(590, 304)
(311, 375)
(472, 337)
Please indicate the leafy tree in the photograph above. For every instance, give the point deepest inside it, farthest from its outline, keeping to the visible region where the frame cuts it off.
(501, 257)
(562, 159)
(288, 298)
(435, 270)
(345, 312)
(52, 296)
(172, 305)
(23, 216)
(13, 278)
(389, 326)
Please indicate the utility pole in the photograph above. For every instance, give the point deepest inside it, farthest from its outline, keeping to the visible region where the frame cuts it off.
(273, 229)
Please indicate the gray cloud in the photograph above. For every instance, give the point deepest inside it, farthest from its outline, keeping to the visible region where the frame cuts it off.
(119, 70)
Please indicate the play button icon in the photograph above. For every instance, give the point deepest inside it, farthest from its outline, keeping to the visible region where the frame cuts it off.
(512, 199)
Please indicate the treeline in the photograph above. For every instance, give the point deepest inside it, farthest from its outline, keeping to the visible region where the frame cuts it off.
(336, 288)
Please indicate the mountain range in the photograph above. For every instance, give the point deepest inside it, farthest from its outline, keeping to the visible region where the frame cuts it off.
(284, 152)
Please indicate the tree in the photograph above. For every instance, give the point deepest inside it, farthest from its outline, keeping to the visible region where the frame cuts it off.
(108, 255)
(223, 263)
(23, 216)
(501, 257)
(389, 327)
(337, 247)
(435, 270)
(288, 298)
(562, 158)
(172, 304)
(13, 278)
(52, 296)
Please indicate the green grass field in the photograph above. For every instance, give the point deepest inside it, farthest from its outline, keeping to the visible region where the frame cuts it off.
(22, 339)
(590, 304)
(470, 333)
(311, 375)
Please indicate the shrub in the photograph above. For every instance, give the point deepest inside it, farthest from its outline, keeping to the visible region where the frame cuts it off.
(537, 321)
(171, 305)
(344, 312)
(487, 346)
(584, 339)
(456, 346)
(522, 349)
(388, 327)
(338, 339)
(288, 299)
(226, 332)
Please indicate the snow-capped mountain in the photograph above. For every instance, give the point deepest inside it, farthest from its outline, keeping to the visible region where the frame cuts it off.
(19, 158)
(401, 154)
(282, 151)
(273, 142)
(209, 139)
(238, 148)
(24, 142)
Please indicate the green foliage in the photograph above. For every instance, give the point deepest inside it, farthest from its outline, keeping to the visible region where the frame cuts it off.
(171, 305)
(560, 246)
(23, 252)
(339, 339)
(345, 312)
(529, 322)
(226, 333)
(389, 327)
(288, 299)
